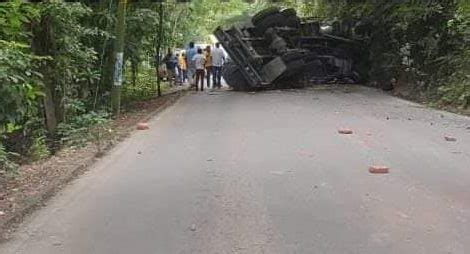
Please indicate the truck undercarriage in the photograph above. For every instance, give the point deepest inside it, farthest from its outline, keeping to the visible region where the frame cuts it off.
(276, 49)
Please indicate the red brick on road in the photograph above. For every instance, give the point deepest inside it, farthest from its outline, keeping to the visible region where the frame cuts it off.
(379, 170)
(142, 126)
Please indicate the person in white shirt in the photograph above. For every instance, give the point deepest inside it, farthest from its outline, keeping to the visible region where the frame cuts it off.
(199, 61)
(218, 59)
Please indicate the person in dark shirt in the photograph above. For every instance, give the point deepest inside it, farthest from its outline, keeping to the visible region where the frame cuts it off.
(170, 61)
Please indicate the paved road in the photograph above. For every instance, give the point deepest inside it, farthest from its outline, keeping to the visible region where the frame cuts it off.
(268, 173)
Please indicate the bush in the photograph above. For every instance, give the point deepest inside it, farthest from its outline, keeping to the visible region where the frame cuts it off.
(456, 88)
(20, 88)
(38, 149)
(144, 88)
(7, 166)
(89, 127)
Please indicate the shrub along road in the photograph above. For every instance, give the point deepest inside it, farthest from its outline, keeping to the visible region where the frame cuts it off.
(268, 172)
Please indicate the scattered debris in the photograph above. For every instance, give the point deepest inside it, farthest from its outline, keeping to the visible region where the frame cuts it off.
(345, 131)
(304, 153)
(378, 170)
(2, 213)
(388, 118)
(193, 227)
(450, 138)
(57, 244)
(403, 215)
(142, 126)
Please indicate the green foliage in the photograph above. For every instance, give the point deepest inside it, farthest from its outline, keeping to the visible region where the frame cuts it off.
(456, 94)
(13, 16)
(139, 38)
(197, 22)
(20, 85)
(7, 166)
(38, 149)
(74, 62)
(456, 88)
(84, 128)
(144, 87)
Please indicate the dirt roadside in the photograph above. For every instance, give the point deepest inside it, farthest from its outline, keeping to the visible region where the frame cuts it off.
(35, 183)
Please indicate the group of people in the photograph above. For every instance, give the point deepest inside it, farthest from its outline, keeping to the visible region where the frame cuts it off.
(197, 65)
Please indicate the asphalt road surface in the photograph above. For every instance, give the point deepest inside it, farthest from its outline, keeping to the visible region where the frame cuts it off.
(268, 172)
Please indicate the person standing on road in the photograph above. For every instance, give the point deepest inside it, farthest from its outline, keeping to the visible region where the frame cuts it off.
(178, 70)
(208, 66)
(190, 53)
(170, 62)
(218, 59)
(183, 67)
(199, 62)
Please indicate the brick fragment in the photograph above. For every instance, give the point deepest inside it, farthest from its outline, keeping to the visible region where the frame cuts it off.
(378, 170)
(142, 126)
(450, 138)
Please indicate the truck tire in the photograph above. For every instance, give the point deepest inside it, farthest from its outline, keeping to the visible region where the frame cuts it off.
(289, 12)
(260, 16)
(274, 20)
(291, 16)
(234, 77)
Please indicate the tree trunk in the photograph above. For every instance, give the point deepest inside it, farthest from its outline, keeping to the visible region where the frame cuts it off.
(135, 71)
(49, 110)
(43, 44)
(118, 57)
(159, 45)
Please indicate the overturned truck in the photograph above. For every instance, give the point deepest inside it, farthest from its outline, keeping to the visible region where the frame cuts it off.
(276, 49)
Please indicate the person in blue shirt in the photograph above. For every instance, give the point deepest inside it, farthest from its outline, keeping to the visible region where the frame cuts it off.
(190, 53)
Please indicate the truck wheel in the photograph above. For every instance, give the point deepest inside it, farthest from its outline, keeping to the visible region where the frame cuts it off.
(289, 12)
(275, 20)
(291, 16)
(234, 77)
(260, 16)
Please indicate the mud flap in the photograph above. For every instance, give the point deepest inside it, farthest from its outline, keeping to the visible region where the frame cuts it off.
(272, 70)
